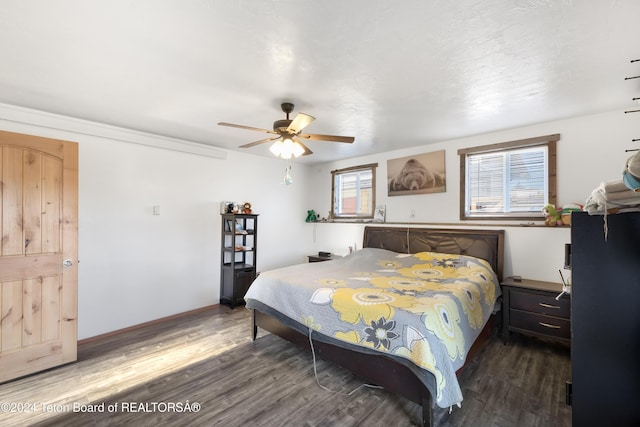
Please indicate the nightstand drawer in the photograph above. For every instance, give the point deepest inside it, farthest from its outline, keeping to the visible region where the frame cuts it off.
(538, 323)
(540, 303)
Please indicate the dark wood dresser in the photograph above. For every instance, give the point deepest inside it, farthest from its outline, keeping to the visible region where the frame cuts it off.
(530, 307)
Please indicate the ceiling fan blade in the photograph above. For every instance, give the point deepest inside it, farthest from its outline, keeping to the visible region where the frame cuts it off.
(307, 151)
(252, 144)
(300, 122)
(247, 127)
(334, 138)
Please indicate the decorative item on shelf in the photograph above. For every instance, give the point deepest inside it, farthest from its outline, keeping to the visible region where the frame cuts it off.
(246, 208)
(551, 215)
(232, 208)
(224, 207)
(311, 216)
(379, 213)
(567, 210)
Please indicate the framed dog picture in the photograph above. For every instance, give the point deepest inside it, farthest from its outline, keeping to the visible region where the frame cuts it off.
(419, 174)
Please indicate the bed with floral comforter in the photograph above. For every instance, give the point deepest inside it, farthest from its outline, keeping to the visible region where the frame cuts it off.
(427, 308)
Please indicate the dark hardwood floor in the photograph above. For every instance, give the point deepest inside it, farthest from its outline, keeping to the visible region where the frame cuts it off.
(203, 369)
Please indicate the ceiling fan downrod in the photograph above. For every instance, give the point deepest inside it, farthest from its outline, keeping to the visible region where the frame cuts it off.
(287, 107)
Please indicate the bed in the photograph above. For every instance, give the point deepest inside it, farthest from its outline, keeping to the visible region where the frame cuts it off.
(392, 344)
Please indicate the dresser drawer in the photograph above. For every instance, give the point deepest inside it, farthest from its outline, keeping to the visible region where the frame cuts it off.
(541, 324)
(540, 303)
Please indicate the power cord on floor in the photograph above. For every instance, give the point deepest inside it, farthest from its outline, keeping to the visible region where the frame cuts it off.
(315, 372)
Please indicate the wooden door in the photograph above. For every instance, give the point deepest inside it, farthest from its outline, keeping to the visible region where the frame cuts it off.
(38, 232)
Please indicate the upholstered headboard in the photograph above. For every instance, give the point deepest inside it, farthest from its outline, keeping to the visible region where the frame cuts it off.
(485, 244)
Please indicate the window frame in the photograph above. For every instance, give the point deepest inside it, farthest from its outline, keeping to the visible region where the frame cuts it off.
(550, 141)
(334, 173)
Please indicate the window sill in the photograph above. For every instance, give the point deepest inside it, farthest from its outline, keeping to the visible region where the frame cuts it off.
(447, 224)
(351, 220)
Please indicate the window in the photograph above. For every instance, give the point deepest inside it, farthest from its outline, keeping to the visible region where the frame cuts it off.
(353, 192)
(508, 180)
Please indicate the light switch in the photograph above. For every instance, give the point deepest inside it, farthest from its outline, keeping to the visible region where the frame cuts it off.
(156, 210)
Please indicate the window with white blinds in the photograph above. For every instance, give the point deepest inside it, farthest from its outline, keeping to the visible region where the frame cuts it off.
(514, 179)
(353, 192)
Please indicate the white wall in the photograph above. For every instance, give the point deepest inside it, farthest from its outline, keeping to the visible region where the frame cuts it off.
(135, 266)
(591, 149)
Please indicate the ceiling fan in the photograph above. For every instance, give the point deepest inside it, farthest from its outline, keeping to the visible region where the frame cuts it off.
(288, 141)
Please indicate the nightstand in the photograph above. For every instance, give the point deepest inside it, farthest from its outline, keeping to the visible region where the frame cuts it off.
(530, 307)
(318, 258)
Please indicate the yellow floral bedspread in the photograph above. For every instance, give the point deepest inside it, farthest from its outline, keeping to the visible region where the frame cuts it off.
(427, 307)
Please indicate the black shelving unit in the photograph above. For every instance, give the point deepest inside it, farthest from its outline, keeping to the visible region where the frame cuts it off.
(238, 257)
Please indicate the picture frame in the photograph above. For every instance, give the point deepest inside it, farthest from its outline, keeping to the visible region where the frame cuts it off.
(418, 174)
(224, 207)
(380, 213)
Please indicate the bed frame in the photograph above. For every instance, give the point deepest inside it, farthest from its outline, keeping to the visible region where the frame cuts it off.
(378, 368)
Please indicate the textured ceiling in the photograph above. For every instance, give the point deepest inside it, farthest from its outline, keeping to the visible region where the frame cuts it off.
(391, 74)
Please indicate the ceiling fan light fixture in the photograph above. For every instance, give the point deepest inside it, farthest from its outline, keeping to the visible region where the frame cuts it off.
(285, 130)
(286, 148)
(276, 148)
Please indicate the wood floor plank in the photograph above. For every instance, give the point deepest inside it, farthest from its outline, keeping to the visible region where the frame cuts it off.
(208, 358)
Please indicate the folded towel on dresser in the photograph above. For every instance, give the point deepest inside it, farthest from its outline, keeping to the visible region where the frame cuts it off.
(612, 196)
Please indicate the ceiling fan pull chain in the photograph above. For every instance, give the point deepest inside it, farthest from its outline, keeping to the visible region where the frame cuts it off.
(288, 179)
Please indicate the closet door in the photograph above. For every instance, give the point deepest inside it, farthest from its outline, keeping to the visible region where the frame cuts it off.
(605, 319)
(38, 253)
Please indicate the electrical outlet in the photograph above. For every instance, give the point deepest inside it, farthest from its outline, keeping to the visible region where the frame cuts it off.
(412, 213)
